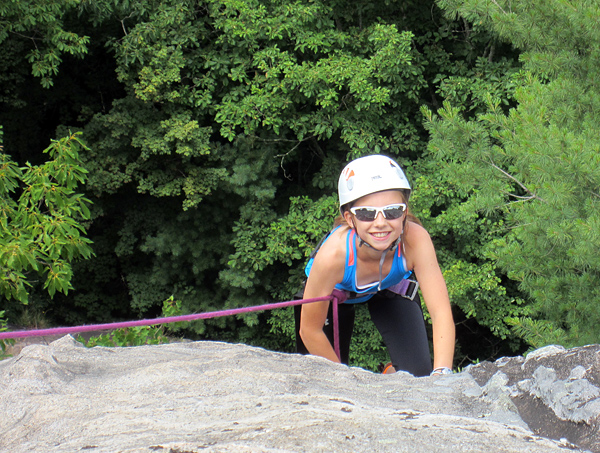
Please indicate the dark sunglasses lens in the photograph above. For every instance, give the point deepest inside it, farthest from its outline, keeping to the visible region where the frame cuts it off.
(365, 215)
(393, 213)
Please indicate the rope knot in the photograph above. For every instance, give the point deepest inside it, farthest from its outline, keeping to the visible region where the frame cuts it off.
(341, 296)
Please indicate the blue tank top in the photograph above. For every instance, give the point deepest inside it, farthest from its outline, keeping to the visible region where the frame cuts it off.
(397, 273)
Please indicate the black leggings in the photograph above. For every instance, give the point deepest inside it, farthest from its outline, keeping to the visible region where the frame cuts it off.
(399, 321)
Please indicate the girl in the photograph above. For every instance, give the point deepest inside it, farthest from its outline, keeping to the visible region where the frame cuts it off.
(376, 246)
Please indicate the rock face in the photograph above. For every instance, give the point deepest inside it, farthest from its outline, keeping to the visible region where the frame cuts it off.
(218, 397)
(556, 391)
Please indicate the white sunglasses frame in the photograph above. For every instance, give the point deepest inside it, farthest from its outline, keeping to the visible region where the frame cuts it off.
(379, 210)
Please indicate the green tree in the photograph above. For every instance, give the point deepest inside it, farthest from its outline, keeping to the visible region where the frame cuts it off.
(4, 343)
(37, 28)
(537, 163)
(217, 130)
(41, 217)
(227, 115)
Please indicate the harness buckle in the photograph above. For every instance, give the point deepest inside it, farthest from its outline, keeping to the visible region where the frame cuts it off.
(406, 288)
(411, 289)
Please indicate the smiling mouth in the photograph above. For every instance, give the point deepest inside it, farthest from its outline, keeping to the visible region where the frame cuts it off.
(380, 235)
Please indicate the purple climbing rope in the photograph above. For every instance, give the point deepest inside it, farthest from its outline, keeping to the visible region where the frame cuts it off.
(336, 297)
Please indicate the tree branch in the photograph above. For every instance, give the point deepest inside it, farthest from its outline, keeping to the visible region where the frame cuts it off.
(283, 156)
(496, 3)
(521, 185)
(123, 23)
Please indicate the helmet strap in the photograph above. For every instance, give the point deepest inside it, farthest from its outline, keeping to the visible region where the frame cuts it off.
(362, 242)
(393, 246)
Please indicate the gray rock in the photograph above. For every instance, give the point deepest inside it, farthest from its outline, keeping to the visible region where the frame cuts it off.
(218, 397)
(556, 391)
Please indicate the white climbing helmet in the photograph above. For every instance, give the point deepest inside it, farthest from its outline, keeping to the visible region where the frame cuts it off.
(370, 174)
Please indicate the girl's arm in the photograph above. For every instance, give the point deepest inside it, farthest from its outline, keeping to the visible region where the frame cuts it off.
(327, 270)
(421, 256)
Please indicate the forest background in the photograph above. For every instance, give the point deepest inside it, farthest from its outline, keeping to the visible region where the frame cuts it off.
(192, 150)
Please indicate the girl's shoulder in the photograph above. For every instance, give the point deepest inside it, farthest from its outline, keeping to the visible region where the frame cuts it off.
(335, 246)
(328, 265)
(416, 232)
(417, 244)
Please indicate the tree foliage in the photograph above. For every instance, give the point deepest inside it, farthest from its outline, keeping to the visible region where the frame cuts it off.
(38, 27)
(41, 220)
(4, 343)
(216, 133)
(537, 163)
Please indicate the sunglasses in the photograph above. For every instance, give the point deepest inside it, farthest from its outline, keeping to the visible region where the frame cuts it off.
(368, 213)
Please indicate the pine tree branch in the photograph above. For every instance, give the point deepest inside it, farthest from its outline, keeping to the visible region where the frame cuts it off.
(496, 3)
(521, 185)
(506, 229)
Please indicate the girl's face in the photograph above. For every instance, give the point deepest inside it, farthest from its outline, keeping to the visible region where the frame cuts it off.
(381, 232)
